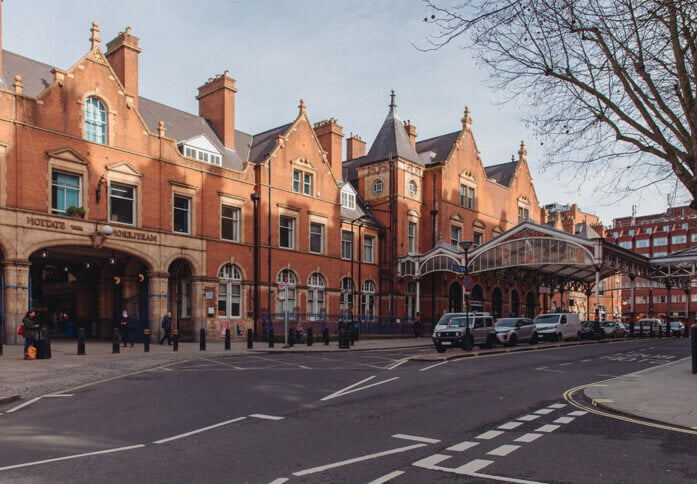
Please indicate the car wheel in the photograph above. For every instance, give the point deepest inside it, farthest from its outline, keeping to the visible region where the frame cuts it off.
(513, 341)
(468, 344)
(440, 349)
(535, 339)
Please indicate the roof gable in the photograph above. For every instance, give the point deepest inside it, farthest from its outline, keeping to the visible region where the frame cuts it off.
(201, 142)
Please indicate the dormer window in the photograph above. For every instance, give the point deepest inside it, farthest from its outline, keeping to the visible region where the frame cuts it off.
(204, 156)
(348, 198)
(95, 120)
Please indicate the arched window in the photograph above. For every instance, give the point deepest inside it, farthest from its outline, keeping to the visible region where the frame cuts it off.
(410, 300)
(346, 296)
(315, 293)
(288, 277)
(230, 292)
(95, 120)
(368, 300)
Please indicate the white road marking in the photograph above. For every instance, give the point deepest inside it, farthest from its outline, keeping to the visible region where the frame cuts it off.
(198, 431)
(544, 368)
(490, 434)
(28, 402)
(280, 480)
(557, 405)
(266, 417)
(501, 478)
(586, 361)
(415, 438)
(431, 461)
(473, 466)
(387, 477)
(577, 413)
(470, 469)
(400, 362)
(357, 459)
(59, 395)
(528, 418)
(462, 446)
(343, 392)
(339, 392)
(529, 437)
(503, 450)
(433, 366)
(305, 367)
(547, 428)
(564, 364)
(544, 411)
(67, 457)
(510, 425)
(564, 420)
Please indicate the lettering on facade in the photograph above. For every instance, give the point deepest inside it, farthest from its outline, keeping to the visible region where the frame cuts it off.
(60, 225)
(45, 222)
(128, 234)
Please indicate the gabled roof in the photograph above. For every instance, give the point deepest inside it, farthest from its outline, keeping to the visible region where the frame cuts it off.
(392, 140)
(436, 150)
(36, 76)
(264, 142)
(501, 174)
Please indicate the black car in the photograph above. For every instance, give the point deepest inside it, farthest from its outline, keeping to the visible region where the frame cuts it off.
(588, 330)
(677, 329)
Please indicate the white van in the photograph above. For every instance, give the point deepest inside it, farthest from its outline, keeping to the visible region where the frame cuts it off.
(558, 326)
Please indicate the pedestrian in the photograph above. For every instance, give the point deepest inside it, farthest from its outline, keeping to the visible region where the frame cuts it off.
(30, 331)
(418, 326)
(167, 326)
(124, 328)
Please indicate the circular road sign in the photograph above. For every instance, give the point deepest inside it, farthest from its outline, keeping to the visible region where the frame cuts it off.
(467, 281)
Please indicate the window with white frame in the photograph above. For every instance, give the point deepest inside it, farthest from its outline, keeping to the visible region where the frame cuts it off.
(182, 214)
(678, 239)
(288, 277)
(230, 292)
(455, 236)
(230, 223)
(467, 197)
(316, 237)
(122, 204)
(368, 248)
(302, 182)
(346, 295)
(201, 155)
(410, 300)
(287, 232)
(95, 120)
(523, 214)
(315, 293)
(658, 241)
(625, 244)
(368, 299)
(642, 243)
(411, 237)
(477, 238)
(66, 191)
(346, 244)
(348, 200)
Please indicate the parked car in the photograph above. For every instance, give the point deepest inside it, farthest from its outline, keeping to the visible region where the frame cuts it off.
(451, 331)
(558, 326)
(613, 329)
(511, 331)
(625, 327)
(644, 326)
(677, 329)
(588, 331)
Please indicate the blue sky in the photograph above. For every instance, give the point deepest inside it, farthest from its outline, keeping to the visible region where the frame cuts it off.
(341, 57)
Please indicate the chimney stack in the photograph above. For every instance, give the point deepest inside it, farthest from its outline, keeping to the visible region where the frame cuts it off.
(330, 136)
(411, 131)
(216, 103)
(355, 147)
(122, 54)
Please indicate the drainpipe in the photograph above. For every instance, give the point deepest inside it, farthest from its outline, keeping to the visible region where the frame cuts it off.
(255, 198)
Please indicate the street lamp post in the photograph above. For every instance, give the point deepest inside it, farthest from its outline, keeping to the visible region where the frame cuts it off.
(465, 245)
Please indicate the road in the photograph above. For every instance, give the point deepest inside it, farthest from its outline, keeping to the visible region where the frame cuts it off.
(350, 417)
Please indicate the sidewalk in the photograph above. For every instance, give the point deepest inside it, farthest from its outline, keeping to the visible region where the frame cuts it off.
(28, 379)
(665, 394)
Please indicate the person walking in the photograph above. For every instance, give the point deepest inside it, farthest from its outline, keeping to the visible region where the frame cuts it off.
(30, 331)
(418, 326)
(167, 326)
(124, 328)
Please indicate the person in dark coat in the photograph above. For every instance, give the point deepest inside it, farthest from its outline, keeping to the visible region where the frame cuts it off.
(418, 326)
(30, 331)
(167, 326)
(124, 328)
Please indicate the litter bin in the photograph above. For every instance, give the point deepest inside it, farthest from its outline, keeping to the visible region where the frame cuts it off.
(344, 335)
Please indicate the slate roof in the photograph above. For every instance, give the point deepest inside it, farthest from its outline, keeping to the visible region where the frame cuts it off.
(263, 143)
(36, 76)
(436, 150)
(501, 174)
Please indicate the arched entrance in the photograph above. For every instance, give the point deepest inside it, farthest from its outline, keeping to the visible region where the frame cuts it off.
(179, 296)
(477, 299)
(72, 287)
(496, 303)
(530, 305)
(515, 303)
(455, 298)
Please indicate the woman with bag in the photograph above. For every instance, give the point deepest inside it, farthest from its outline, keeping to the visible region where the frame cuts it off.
(30, 331)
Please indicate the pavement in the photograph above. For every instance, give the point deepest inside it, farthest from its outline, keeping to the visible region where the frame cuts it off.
(666, 394)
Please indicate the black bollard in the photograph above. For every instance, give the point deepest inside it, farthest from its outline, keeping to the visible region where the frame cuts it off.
(325, 336)
(687, 332)
(641, 330)
(651, 334)
(146, 341)
(660, 331)
(175, 340)
(116, 348)
(202, 340)
(291, 337)
(250, 339)
(693, 346)
(227, 339)
(309, 337)
(81, 341)
(352, 335)
(271, 337)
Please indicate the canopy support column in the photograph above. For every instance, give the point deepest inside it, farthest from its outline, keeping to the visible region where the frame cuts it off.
(418, 296)
(597, 301)
(632, 301)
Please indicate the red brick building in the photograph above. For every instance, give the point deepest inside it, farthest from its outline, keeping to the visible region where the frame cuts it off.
(109, 200)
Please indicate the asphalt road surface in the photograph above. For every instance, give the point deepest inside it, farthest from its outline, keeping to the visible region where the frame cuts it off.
(350, 417)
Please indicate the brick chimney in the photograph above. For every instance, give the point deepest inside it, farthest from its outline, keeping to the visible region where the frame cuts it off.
(331, 136)
(411, 131)
(122, 54)
(355, 147)
(216, 103)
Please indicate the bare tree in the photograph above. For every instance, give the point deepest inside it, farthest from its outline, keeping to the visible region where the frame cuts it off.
(608, 80)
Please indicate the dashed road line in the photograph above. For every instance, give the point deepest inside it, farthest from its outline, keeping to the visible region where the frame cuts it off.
(564, 420)
(415, 438)
(462, 446)
(362, 458)
(68, 457)
(544, 368)
(529, 437)
(577, 413)
(266, 417)
(198, 431)
(544, 411)
(557, 405)
(528, 418)
(510, 425)
(504, 450)
(547, 428)
(433, 366)
(489, 434)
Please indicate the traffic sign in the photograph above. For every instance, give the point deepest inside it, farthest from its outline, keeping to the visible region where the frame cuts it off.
(459, 268)
(467, 281)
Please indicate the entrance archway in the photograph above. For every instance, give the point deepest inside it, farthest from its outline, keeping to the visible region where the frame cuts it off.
(530, 305)
(477, 299)
(515, 303)
(455, 298)
(180, 300)
(496, 303)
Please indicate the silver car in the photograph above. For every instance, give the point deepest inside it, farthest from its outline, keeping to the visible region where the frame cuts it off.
(451, 331)
(511, 331)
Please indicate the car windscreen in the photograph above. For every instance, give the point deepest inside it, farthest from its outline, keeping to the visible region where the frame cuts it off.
(609, 324)
(675, 325)
(508, 322)
(458, 322)
(547, 319)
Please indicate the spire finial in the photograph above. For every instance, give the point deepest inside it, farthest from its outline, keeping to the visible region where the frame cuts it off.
(466, 119)
(392, 99)
(522, 152)
(95, 35)
(302, 106)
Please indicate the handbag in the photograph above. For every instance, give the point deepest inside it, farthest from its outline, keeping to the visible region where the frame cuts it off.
(31, 352)
(20, 331)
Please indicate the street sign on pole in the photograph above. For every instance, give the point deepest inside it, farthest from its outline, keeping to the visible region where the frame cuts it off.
(459, 268)
(467, 282)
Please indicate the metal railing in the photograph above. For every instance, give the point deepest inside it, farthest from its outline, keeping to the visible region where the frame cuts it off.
(366, 324)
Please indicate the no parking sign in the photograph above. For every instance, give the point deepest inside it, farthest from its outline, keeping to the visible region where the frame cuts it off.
(467, 282)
